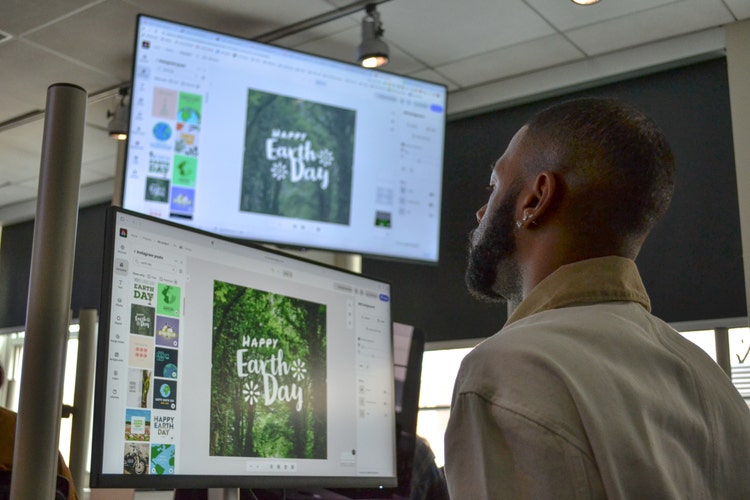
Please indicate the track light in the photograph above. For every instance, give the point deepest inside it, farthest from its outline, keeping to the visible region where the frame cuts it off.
(119, 118)
(373, 51)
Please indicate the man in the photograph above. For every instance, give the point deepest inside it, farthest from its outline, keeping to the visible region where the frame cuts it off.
(583, 393)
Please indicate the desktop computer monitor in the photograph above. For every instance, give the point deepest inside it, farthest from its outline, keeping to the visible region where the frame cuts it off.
(264, 143)
(223, 364)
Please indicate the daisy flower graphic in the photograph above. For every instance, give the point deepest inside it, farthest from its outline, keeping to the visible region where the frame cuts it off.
(298, 370)
(279, 171)
(325, 157)
(251, 392)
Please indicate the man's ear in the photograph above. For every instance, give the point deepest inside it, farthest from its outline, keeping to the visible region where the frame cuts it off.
(537, 200)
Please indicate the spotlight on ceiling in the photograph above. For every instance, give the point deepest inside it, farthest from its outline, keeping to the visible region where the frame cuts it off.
(373, 51)
(585, 2)
(119, 118)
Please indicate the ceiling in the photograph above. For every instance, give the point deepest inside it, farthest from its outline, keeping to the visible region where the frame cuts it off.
(490, 53)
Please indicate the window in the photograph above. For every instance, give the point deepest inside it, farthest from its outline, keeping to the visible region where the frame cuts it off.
(11, 355)
(439, 369)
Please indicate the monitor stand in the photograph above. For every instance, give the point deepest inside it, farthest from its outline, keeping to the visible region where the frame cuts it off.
(223, 494)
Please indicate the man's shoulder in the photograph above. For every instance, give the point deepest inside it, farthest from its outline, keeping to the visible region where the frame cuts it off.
(523, 357)
(546, 330)
(553, 346)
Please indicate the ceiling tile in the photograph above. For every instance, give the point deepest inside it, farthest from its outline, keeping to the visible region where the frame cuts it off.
(17, 165)
(20, 16)
(433, 76)
(31, 185)
(90, 175)
(237, 17)
(97, 144)
(26, 138)
(14, 193)
(22, 149)
(100, 37)
(10, 107)
(97, 109)
(34, 70)
(509, 61)
(464, 28)
(647, 26)
(105, 167)
(341, 46)
(565, 15)
(740, 8)
(326, 30)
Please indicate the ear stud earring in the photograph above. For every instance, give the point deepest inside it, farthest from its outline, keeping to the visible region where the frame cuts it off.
(526, 218)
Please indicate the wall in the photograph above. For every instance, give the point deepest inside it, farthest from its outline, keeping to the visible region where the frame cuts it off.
(15, 263)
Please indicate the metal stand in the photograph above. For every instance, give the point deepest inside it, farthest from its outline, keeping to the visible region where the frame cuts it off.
(721, 337)
(50, 285)
(82, 403)
(223, 494)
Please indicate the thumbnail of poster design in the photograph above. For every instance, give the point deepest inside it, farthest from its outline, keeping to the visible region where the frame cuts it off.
(165, 394)
(137, 425)
(166, 363)
(168, 301)
(189, 112)
(162, 459)
(163, 426)
(139, 388)
(167, 331)
(268, 389)
(298, 158)
(136, 458)
(142, 320)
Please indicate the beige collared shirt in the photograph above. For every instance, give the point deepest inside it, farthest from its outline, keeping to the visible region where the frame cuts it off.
(585, 394)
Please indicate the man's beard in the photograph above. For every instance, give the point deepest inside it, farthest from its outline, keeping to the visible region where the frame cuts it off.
(492, 273)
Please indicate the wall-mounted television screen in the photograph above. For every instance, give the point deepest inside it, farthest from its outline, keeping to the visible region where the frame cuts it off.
(222, 364)
(263, 143)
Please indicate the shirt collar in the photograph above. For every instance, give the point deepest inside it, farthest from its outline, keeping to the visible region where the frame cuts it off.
(603, 279)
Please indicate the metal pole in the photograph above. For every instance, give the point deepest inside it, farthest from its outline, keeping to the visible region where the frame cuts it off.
(82, 406)
(721, 337)
(50, 284)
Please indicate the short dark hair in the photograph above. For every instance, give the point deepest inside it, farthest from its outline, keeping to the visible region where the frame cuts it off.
(615, 149)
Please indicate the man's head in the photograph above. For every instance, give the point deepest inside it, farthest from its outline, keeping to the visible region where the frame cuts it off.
(584, 178)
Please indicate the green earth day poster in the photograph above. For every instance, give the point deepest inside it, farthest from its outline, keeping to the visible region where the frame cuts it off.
(268, 375)
(298, 158)
(190, 108)
(168, 300)
(185, 170)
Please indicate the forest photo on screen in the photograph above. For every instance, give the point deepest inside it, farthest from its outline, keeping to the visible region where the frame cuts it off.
(298, 158)
(268, 378)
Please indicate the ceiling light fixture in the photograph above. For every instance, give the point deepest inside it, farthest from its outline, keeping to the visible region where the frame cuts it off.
(373, 51)
(585, 2)
(119, 118)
